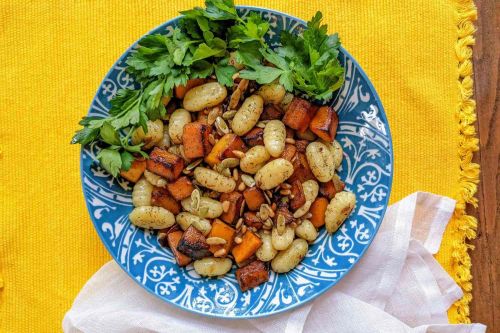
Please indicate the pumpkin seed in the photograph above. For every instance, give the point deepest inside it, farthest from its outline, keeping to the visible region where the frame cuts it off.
(229, 114)
(216, 241)
(195, 199)
(194, 164)
(248, 180)
(230, 162)
(221, 126)
(280, 224)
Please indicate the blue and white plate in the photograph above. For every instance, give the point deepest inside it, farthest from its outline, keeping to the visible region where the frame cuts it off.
(367, 171)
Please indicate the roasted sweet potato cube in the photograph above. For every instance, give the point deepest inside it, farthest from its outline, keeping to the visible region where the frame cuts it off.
(327, 190)
(252, 220)
(317, 210)
(173, 239)
(180, 91)
(136, 170)
(324, 124)
(224, 148)
(298, 199)
(194, 244)
(298, 114)
(271, 112)
(289, 152)
(302, 171)
(202, 118)
(254, 137)
(195, 140)
(161, 197)
(163, 233)
(249, 245)
(253, 197)
(235, 200)
(181, 188)
(252, 275)
(301, 145)
(165, 164)
(224, 231)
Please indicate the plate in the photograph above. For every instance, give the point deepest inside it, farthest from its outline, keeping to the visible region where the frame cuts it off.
(364, 135)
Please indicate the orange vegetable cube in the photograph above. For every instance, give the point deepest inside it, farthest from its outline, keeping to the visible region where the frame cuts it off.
(136, 170)
(247, 248)
(235, 200)
(162, 198)
(173, 239)
(318, 209)
(324, 124)
(181, 188)
(253, 197)
(298, 114)
(165, 164)
(224, 148)
(195, 140)
(224, 231)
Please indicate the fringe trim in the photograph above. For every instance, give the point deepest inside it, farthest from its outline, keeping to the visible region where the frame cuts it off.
(465, 225)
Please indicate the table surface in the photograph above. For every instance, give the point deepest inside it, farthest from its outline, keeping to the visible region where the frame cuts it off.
(485, 306)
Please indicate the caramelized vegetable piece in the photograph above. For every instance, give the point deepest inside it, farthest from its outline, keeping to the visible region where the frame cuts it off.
(327, 190)
(298, 197)
(136, 170)
(254, 137)
(194, 244)
(224, 148)
(252, 220)
(235, 200)
(302, 171)
(254, 198)
(271, 112)
(290, 133)
(202, 118)
(162, 198)
(249, 245)
(165, 164)
(289, 152)
(318, 209)
(181, 188)
(224, 231)
(324, 124)
(298, 114)
(283, 210)
(180, 91)
(301, 145)
(163, 233)
(252, 275)
(173, 239)
(195, 140)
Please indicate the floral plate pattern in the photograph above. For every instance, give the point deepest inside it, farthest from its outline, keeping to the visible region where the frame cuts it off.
(367, 171)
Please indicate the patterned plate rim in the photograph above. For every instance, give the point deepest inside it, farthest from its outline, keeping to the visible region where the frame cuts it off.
(298, 304)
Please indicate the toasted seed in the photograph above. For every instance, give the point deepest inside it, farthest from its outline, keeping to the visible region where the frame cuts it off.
(221, 125)
(238, 240)
(236, 174)
(285, 192)
(195, 199)
(261, 124)
(264, 211)
(293, 224)
(241, 187)
(225, 206)
(290, 141)
(216, 241)
(243, 229)
(226, 172)
(248, 180)
(238, 153)
(280, 224)
(229, 114)
(291, 196)
(213, 114)
(253, 229)
(211, 139)
(286, 186)
(193, 164)
(187, 172)
(230, 162)
(266, 231)
(239, 223)
(308, 216)
(268, 224)
(266, 196)
(220, 253)
(271, 213)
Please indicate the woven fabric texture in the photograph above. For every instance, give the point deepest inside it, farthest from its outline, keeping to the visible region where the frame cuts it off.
(53, 55)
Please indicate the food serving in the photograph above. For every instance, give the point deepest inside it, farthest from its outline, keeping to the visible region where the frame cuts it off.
(230, 143)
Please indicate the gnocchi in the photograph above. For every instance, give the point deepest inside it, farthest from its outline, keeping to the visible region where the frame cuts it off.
(152, 137)
(339, 208)
(205, 96)
(185, 220)
(248, 115)
(208, 207)
(154, 179)
(212, 266)
(254, 159)
(266, 252)
(283, 241)
(141, 194)
(273, 173)
(288, 259)
(213, 180)
(274, 137)
(272, 93)
(307, 231)
(152, 217)
(178, 119)
(320, 160)
(165, 140)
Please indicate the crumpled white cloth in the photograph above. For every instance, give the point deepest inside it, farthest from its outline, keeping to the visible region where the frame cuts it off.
(397, 286)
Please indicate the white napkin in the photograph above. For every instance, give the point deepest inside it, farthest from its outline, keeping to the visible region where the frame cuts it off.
(397, 286)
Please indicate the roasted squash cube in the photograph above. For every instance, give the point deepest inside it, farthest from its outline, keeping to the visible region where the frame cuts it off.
(298, 114)
(235, 200)
(318, 209)
(249, 245)
(324, 124)
(173, 239)
(252, 220)
(195, 140)
(254, 137)
(224, 231)
(289, 152)
(271, 112)
(224, 148)
(252, 275)
(298, 199)
(161, 197)
(181, 188)
(194, 244)
(136, 170)
(165, 164)
(254, 198)
(302, 171)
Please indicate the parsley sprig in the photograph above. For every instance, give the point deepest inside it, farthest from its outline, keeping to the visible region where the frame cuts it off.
(201, 46)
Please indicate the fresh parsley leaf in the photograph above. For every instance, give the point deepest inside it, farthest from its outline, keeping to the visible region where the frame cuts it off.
(225, 74)
(261, 74)
(127, 159)
(109, 135)
(110, 160)
(85, 136)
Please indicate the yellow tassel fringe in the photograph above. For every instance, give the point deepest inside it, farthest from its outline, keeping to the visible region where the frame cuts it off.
(466, 225)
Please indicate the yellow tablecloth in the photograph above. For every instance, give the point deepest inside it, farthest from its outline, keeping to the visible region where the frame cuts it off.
(53, 55)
